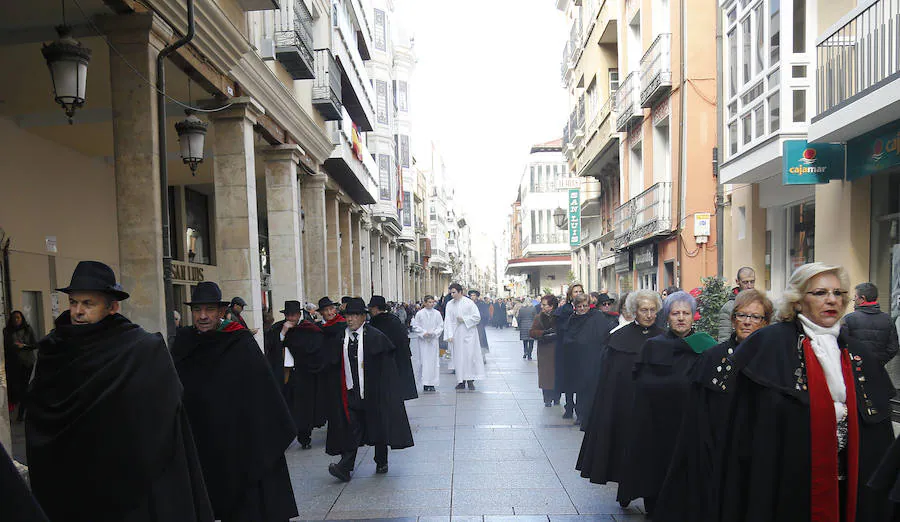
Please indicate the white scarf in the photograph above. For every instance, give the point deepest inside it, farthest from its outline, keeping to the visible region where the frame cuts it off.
(824, 344)
(348, 374)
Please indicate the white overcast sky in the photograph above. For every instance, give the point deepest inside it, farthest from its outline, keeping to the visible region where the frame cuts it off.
(485, 88)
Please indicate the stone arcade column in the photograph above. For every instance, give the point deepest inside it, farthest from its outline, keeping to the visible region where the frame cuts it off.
(375, 246)
(283, 202)
(357, 252)
(137, 38)
(348, 242)
(237, 232)
(315, 252)
(333, 242)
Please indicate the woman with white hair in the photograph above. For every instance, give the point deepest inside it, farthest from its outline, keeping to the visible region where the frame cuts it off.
(661, 388)
(605, 435)
(810, 417)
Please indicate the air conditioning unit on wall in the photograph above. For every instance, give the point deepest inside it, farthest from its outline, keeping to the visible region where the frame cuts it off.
(267, 49)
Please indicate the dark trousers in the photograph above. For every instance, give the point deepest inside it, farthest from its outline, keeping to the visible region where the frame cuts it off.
(356, 436)
(570, 401)
(550, 395)
(528, 345)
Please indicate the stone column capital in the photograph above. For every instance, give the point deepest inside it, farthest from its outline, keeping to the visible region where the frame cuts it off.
(136, 28)
(314, 181)
(285, 152)
(240, 107)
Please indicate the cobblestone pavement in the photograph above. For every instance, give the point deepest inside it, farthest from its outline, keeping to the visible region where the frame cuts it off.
(495, 454)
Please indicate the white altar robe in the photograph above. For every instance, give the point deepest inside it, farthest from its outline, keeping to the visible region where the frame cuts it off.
(426, 355)
(465, 348)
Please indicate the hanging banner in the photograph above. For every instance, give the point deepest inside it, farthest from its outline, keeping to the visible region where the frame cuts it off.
(812, 163)
(574, 217)
(874, 152)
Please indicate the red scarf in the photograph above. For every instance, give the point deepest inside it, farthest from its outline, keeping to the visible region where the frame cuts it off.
(824, 484)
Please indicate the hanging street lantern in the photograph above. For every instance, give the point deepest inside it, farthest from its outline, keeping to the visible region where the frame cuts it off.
(68, 61)
(560, 218)
(191, 135)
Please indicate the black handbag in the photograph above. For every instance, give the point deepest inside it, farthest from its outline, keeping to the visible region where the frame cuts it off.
(549, 334)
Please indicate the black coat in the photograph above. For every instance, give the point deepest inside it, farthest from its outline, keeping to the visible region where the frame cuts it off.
(16, 502)
(661, 386)
(306, 390)
(107, 438)
(689, 488)
(17, 372)
(886, 479)
(766, 468)
(875, 329)
(241, 422)
(562, 315)
(386, 422)
(602, 455)
(391, 326)
(602, 325)
(584, 338)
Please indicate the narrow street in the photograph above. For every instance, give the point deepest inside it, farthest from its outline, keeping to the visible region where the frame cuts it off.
(493, 454)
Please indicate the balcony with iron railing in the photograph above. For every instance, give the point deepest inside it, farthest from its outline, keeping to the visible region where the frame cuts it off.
(294, 41)
(656, 70)
(628, 107)
(646, 215)
(326, 91)
(607, 22)
(350, 163)
(543, 241)
(359, 96)
(601, 150)
(858, 56)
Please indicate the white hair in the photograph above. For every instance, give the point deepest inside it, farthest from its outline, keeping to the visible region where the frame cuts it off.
(634, 298)
(799, 282)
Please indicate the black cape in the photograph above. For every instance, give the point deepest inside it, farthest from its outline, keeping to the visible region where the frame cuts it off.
(107, 438)
(602, 326)
(241, 422)
(386, 420)
(306, 391)
(661, 385)
(563, 313)
(391, 326)
(602, 455)
(17, 373)
(886, 479)
(689, 488)
(766, 466)
(16, 502)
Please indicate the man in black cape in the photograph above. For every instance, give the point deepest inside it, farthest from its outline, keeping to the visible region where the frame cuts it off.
(485, 310)
(294, 348)
(16, 502)
(391, 326)
(371, 411)
(241, 422)
(107, 437)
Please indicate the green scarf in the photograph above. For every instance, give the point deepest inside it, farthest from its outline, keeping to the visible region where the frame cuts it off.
(700, 342)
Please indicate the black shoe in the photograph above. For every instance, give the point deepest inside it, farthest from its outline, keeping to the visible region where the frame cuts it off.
(524, 355)
(556, 402)
(567, 414)
(471, 385)
(529, 358)
(577, 421)
(339, 472)
(305, 445)
(547, 404)
(461, 386)
(381, 469)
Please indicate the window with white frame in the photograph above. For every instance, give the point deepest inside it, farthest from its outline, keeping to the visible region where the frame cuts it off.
(590, 102)
(636, 171)
(662, 151)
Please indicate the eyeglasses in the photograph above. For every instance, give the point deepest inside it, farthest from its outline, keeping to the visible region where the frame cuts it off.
(821, 293)
(753, 318)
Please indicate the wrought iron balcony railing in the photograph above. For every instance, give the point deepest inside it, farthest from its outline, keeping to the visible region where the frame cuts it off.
(646, 215)
(548, 238)
(856, 57)
(628, 107)
(294, 41)
(326, 91)
(656, 70)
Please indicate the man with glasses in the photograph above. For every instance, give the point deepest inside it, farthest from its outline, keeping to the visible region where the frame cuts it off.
(746, 280)
(870, 325)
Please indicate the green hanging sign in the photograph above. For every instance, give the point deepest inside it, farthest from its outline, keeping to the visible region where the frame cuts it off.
(812, 163)
(874, 152)
(574, 217)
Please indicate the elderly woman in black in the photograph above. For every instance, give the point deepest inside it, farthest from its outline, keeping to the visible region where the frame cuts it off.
(661, 387)
(602, 456)
(810, 416)
(543, 329)
(689, 487)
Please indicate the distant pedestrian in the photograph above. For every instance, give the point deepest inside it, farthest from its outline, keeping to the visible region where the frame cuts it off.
(543, 329)
(461, 320)
(240, 420)
(525, 319)
(484, 312)
(19, 344)
(869, 325)
(427, 326)
(746, 280)
(107, 434)
(234, 311)
(371, 411)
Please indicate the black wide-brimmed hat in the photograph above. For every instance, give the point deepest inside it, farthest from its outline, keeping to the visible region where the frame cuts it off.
(379, 301)
(356, 305)
(345, 299)
(207, 292)
(292, 307)
(94, 276)
(325, 302)
(605, 298)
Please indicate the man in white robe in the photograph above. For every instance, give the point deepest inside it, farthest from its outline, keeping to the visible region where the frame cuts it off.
(427, 326)
(461, 320)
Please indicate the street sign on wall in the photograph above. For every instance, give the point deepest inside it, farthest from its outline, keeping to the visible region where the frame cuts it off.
(574, 217)
(812, 163)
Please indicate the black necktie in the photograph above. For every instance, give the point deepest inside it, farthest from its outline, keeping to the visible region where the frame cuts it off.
(353, 355)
